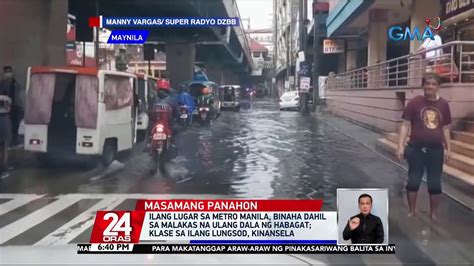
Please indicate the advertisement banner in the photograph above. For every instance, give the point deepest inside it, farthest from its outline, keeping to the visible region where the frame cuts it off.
(76, 51)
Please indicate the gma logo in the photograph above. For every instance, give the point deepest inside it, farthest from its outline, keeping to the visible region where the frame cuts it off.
(397, 33)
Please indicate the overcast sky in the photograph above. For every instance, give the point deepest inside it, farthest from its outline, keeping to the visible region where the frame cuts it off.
(260, 13)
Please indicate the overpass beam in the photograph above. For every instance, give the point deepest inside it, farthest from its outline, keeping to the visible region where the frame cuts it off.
(214, 71)
(221, 74)
(231, 77)
(180, 58)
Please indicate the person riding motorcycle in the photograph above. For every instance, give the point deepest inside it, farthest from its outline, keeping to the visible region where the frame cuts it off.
(206, 99)
(184, 98)
(163, 98)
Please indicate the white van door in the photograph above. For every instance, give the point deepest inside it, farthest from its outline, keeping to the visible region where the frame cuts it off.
(38, 108)
(86, 115)
(118, 118)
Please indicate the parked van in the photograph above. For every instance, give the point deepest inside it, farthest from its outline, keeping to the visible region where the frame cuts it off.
(80, 110)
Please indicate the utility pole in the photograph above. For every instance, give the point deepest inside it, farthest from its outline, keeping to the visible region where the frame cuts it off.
(301, 37)
(275, 49)
(96, 30)
(316, 48)
(288, 53)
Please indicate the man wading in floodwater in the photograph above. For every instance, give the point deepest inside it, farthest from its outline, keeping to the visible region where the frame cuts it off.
(429, 118)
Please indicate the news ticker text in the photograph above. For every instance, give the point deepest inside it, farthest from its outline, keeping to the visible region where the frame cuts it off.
(109, 248)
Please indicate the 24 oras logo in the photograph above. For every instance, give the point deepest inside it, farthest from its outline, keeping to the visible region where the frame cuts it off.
(117, 227)
(398, 33)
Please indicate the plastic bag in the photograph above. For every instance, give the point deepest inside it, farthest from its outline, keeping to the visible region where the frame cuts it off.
(443, 69)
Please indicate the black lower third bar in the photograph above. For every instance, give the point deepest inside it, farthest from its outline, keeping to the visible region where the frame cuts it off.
(233, 249)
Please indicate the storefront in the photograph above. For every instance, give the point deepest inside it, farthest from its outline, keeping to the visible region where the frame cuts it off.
(457, 18)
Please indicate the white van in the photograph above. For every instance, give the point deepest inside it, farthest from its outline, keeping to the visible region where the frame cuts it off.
(80, 110)
(230, 96)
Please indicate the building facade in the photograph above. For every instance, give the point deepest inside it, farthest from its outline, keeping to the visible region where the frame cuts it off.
(393, 68)
(381, 68)
(286, 40)
(263, 37)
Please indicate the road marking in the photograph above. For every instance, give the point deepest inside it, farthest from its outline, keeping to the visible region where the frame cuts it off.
(10, 231)
(143, 196)
(17, 201)
(16, 195)
(67, 232)
(85, 219)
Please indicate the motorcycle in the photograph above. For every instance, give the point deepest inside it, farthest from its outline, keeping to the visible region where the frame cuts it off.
(204, 114)
(161, 134)
(185, 116)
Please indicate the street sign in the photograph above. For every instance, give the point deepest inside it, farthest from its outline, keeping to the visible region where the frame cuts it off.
(305, 83)
(305, 69)
(333, 46)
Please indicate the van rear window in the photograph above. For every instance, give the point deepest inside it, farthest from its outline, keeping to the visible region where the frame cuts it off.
(86, 101)
(118, 92)
(39, 99)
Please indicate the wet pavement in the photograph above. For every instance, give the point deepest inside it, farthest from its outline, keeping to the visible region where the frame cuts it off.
(256, 153)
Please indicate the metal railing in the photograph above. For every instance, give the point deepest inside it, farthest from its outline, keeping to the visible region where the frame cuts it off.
(453, 62)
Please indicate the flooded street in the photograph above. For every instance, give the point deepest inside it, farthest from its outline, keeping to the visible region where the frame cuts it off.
(257, 153)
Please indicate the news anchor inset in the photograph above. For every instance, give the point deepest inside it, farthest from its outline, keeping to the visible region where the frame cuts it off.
(364, 228)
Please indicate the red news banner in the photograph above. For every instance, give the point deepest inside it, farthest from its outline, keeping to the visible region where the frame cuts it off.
(221, 226)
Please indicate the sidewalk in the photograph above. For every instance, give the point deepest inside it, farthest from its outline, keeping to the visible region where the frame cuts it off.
(368, 138)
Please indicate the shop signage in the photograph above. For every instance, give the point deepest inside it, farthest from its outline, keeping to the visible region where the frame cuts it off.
(305, 83)
(333, 46)
(451, 8)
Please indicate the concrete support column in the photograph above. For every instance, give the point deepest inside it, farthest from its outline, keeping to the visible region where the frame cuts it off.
(220, 74)
(180, 62)
(214, 71)
(377, 42)
(230, 78)
(351, 60)
(341, 63)
(32, 32)
(377, 46)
